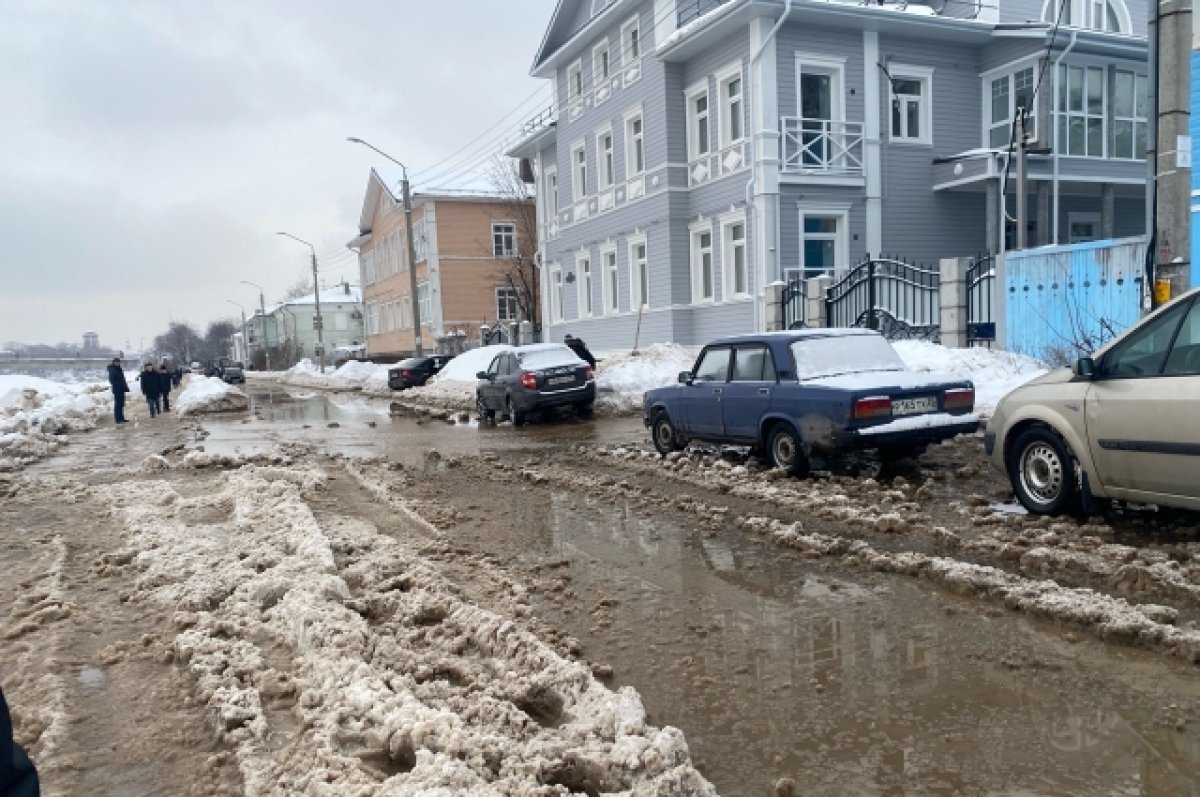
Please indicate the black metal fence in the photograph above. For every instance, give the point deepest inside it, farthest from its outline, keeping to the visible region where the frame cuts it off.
(793, 304)
(981, 290)
(897, 298)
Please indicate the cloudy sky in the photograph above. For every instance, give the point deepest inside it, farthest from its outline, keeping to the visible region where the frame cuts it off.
(153, 147)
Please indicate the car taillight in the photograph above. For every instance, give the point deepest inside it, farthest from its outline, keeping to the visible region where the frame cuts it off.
(960, 399)
(529, 380)
(873, 407)
(404, 372)
(588, 374)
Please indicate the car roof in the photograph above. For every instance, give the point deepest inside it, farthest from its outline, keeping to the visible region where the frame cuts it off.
(789, 335)
(534, 347)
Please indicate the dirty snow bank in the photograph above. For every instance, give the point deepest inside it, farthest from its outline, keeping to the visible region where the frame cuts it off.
(394, 683)
(352, 375)
(204, 394)
(994, 372)
(621, 380)
(36, 413)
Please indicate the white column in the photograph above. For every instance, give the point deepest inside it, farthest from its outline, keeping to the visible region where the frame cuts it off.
(764, 102)
(665, 20)
(872, 161)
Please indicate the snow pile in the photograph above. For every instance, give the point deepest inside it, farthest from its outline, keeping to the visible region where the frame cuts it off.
(621, 380)
(454, 385)
(35, 413)
(994, 372)
(209, 394)
(390, 681)
(352, 375)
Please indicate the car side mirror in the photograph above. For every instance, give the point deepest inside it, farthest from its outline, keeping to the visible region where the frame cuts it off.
(685, 377)
(1085, 367)
(483, 375)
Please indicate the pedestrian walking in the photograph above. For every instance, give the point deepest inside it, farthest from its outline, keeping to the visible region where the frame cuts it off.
(151, 388)
(164, 384)
(18, 778)
(580, 348)
(116, 380)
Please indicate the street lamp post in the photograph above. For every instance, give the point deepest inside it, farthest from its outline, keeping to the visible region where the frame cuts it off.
(262, 309)
(318, 322)
(408, 233)
(245, 341)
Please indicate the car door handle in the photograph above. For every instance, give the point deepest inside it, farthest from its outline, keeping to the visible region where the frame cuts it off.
(716, 391)
(764, 391)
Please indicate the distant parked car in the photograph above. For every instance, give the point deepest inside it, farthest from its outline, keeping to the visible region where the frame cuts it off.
(1122, 424)
(525, 379)
(416, 371)
(197, 367)
(791, 394)
(234, 373)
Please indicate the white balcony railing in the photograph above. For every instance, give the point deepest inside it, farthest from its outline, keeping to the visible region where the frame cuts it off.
(821, 146)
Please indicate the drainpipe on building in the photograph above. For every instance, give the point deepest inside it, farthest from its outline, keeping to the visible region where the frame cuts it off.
(1054, 126)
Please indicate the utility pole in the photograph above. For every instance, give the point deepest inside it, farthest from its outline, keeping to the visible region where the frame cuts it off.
(1171, 34)
(406, 197)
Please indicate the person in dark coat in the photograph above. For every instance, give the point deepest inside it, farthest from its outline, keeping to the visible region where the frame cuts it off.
(18, 778)
(164, 386)
(580, 348)
(116, 380)
(151, 387)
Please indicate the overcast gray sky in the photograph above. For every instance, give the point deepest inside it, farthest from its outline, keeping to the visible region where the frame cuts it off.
(151, 148)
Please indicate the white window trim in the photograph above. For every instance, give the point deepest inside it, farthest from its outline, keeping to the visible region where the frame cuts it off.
(516, 248)
(555, 296)
(985, 88)
(630, 115)
(695, 230)
(1082, 12)
(610, 298)
(575, 66)
(727, 221)
(924, 74)
(825, 64)
(1104, 117)
(581, 309)
(691, 93)
(603, 182)
(505, 289)
(841, 251)
(1135, 120)
(550, 201)
(631, 23)
(578, 192)
(635, 283)
(723, 77)
(598, 81)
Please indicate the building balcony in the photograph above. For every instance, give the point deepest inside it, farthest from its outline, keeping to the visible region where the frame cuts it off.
(821, 147)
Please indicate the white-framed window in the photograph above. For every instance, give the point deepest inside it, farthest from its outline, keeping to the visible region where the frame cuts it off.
(698, 121)
(420, 241)
(575, 81)
(730, 88)
(704, 283)
(405, 312)
(555, 294)
(1082, 227)
(601, 64)
(578, 171)
(583, 283)
(506, 304)
(824, 242)
(372, 320)
(635, 147)
(1007, 93)
(368, 266)
(734, 263)
(606, 173)
(550, 181)
(504, 239)
(610, 280)
(1108, 16)
(911, 93)
(631, 41)
(639, 273)
(1081, 107)
(424, 305)
(1131, 107)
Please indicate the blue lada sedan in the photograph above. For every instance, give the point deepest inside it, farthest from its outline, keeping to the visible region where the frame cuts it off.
(791, 394)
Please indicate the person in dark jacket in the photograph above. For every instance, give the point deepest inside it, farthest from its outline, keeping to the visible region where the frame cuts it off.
(164, 386)
(580, 348)
(116, 380)
(151, 387)
(18, 778)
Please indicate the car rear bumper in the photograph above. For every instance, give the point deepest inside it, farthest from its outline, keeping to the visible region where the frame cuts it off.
(902, 433)
(529, 400)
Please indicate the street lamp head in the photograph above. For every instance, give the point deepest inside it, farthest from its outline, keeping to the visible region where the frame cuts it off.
(354, 140)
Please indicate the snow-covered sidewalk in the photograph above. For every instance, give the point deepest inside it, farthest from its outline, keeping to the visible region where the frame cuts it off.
(36, 413)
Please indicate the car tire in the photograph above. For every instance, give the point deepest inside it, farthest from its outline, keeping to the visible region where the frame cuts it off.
(1042, 471)
(515, 415)
(785, 452)
(481, 407)
(666, 439)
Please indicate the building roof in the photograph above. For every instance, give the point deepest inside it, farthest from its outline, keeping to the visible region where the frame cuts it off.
(330, 294)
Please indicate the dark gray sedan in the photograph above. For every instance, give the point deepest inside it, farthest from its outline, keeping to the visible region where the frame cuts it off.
(526, 379)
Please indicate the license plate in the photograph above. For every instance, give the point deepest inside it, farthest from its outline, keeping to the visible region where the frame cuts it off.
(914, 406)
(560, 380)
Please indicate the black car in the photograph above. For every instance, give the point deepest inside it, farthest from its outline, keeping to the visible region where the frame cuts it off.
(416, 371)
(233, 373)
(529, 378)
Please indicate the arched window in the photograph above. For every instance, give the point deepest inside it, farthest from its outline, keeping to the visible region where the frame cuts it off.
(1109, 16)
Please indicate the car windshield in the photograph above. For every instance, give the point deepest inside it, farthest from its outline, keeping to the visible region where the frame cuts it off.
(547, 358)
(849, 354)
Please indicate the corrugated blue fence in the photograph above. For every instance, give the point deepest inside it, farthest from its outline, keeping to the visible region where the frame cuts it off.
(1061, 302)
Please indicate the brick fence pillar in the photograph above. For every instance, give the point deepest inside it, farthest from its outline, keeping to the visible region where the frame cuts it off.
(814, 299)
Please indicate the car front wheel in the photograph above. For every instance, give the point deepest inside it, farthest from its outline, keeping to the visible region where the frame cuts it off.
(785, 452)
(665, 438)
(1042, 472)
(481, 407)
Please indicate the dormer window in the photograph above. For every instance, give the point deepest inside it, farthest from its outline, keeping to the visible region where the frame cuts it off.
(1107, 16)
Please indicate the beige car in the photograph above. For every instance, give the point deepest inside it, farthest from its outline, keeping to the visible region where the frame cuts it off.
(1123, 424)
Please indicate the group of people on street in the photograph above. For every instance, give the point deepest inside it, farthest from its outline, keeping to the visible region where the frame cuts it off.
(155, 385)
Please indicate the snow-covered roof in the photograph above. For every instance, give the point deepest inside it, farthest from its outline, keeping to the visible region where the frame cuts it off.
(329, 295)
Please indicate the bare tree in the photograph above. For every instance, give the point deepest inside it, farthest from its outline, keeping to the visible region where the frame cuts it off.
(521, 270)
(301, 288)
